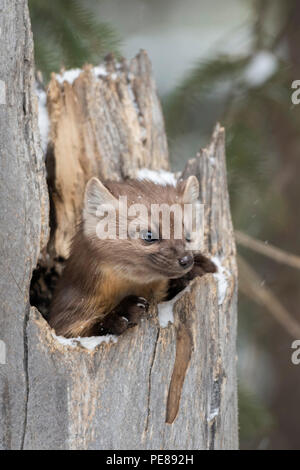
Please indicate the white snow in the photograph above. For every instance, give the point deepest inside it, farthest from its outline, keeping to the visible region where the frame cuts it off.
(71, 75)
(89, 343)
(165, 313)
(165, 309)
(161, 177)
(68, 76)
(213, 414)
(261, 67)
(100, 71)
(43, 117)
(222, 279)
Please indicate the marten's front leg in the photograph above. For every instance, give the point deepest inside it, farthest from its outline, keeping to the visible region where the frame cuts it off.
(126, 315)
(202, 265)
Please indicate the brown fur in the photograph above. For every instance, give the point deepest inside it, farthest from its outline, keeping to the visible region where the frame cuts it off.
(100, 274)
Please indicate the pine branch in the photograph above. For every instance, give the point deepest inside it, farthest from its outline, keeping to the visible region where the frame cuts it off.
(75, 35)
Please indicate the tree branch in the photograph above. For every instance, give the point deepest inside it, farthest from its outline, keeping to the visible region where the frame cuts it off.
(252, 286)
(268, 250)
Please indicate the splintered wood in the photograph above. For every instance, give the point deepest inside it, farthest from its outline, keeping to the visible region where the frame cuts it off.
(105, 121)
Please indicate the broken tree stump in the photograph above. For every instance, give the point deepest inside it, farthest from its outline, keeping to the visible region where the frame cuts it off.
(156, 387)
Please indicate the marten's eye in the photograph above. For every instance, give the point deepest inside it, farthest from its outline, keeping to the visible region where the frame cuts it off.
(149, 237)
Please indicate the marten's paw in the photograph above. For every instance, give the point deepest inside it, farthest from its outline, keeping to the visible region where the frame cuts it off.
(113, 325)
(131, 308)
(126, 315)
(204, 264)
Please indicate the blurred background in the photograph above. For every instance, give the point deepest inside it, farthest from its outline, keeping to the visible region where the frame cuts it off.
(232, 62)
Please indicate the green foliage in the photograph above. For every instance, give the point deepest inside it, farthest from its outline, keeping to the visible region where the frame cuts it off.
(67, 34)
(204, 84)
(216, 91)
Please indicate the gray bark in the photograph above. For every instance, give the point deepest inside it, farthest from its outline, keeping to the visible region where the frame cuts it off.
(23, 214)
(155, 388)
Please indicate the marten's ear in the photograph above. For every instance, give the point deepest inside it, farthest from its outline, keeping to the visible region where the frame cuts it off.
(191, 190)
(95, 195)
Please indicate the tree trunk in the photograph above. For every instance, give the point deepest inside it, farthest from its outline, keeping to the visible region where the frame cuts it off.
(159, 386)
(24, 212)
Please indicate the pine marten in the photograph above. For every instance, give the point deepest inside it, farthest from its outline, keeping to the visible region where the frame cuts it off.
(108, 283)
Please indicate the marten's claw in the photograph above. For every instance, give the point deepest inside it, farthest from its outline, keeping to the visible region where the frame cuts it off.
(126, 315)
(142, 303)
(131, 308)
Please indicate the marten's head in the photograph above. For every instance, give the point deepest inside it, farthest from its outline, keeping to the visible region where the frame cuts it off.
(142, 230)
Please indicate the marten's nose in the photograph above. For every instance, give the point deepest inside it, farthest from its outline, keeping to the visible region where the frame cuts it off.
(186, 261)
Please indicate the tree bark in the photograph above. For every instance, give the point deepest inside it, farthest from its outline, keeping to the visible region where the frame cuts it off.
(23, 214)
(157, 387)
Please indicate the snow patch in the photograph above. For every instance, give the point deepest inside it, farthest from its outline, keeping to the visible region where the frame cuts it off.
(165, 313)
(89, 343)
(161, 177)
(68, 76)
(43, 117)
(261, 67)
(213, 414)
(222, 279)
(165, 309)
(100, 71)
(71, 75)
